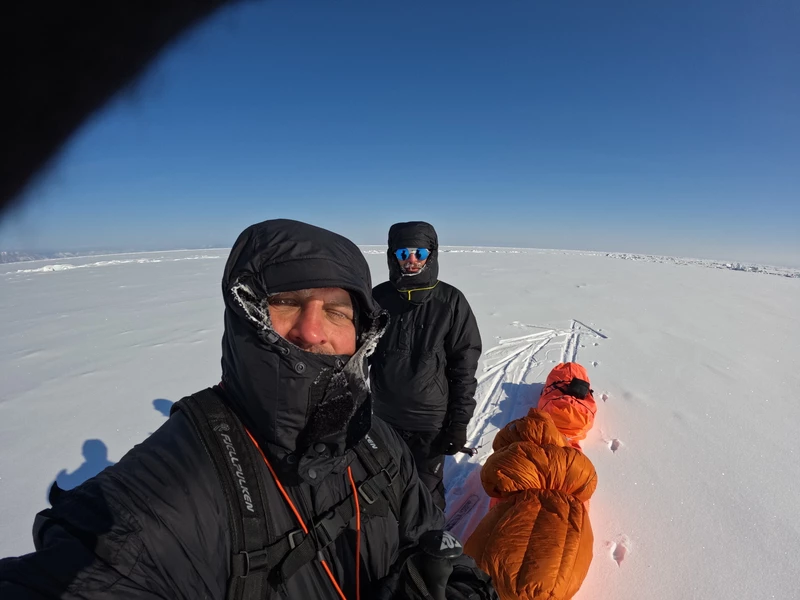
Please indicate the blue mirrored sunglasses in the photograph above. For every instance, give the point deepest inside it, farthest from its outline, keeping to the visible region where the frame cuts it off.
(405, 253)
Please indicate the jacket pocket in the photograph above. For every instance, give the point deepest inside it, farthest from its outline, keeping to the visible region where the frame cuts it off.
(440, 377)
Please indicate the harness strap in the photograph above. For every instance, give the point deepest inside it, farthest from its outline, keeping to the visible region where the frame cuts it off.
(298, 547)
(257, 561)
(233, 457)
(383, 469)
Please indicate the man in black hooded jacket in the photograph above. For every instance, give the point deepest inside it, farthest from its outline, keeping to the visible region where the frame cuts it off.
(300, 323)
(423, 372)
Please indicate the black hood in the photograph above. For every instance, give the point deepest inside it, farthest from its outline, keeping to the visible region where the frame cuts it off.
(291, 399)
(414, 234)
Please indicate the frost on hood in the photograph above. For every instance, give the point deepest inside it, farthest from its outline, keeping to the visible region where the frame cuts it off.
(256, 309)
(368, 341)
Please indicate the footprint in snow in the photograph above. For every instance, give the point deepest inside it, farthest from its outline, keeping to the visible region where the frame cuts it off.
(619, 549)
(614, 445)
(595, 363)
(604, 397)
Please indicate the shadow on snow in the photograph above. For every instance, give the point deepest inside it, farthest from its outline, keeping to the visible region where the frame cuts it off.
(95, 458)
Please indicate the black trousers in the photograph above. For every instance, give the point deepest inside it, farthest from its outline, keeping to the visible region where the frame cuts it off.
(430, 465)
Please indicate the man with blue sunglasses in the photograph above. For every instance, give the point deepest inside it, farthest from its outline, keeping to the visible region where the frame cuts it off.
(423, 371)
(412, 260)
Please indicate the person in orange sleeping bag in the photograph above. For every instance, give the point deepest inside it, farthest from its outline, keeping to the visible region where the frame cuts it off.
(569, 400)
(536, 540)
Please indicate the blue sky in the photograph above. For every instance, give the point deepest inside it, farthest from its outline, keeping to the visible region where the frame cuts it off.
(665, 128)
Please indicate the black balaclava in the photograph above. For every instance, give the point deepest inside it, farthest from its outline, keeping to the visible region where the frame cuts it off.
(415, 234)
(291, 400)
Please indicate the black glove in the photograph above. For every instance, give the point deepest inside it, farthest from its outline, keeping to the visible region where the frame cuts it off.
(468, 582)
(436, 568)
(452, 438)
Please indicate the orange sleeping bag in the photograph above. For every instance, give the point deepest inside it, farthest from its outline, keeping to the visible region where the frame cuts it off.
(536, 541)
(563, 397)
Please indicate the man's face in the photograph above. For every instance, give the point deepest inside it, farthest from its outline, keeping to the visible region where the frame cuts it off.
(316, 320)
(412, 260)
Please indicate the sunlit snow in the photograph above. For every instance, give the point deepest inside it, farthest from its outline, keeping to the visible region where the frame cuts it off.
(693, 363)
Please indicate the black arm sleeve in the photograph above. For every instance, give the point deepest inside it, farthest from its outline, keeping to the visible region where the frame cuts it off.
(463, 350)
(86, 547)
(153, 526)
(418, 513)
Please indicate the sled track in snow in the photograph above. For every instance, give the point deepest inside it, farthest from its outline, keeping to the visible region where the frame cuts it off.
(513, 373)
(573, 342)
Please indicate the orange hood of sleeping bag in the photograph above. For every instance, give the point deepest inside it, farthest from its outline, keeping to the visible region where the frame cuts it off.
(536, 543)
(573, 416)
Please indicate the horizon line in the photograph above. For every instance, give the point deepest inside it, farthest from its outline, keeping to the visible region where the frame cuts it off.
(103, 252)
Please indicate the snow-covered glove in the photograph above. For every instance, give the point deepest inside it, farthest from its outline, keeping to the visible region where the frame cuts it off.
(436, 568)
(452, 438)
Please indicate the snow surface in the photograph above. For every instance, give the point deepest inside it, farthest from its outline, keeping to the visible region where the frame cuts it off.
(694, 371)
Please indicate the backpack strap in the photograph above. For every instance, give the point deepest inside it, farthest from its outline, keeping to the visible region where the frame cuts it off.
(383, 484)
(378, 493)
(233, 457)
(298, 548)
(257, 564)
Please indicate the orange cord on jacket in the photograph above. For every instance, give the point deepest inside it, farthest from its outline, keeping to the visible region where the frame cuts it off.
(305, 529)
(358, 534)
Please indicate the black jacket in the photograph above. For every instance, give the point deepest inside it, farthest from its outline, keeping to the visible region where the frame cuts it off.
(155, 524)
(422, 374)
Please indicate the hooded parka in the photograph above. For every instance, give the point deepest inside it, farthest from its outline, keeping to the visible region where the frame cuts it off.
(155, 525)
(423, 372)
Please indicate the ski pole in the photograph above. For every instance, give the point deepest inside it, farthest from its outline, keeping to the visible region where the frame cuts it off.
(470, 451)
